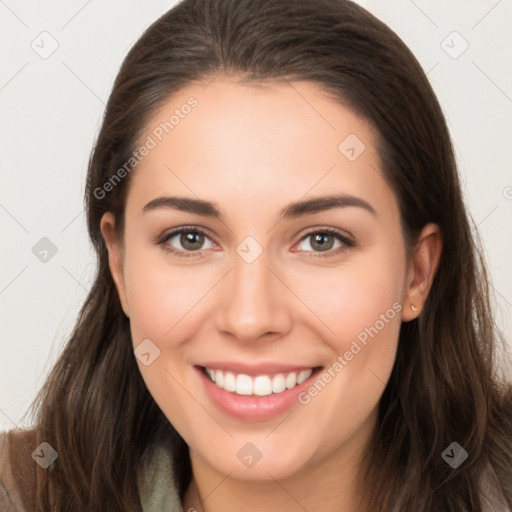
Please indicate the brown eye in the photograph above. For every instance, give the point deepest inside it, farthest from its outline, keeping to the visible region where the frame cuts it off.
(185, 241)
(191, 241)
(324, 241)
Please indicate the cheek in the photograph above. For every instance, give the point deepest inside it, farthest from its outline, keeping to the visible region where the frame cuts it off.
(360, 307)
(161, 300)
(160, 294)
(355, 297)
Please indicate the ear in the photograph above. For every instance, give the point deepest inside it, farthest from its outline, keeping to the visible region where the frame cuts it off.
(422, 269)
(115, 257)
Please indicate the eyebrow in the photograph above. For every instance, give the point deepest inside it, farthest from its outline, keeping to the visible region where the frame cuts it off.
(291, 211)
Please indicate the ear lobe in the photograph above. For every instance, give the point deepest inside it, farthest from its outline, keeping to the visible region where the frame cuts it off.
(115, 260)
(423, 267)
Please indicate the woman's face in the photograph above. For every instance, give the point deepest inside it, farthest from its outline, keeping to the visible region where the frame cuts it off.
(263, 295)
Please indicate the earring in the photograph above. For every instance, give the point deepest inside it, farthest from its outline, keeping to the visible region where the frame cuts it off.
(414, 308)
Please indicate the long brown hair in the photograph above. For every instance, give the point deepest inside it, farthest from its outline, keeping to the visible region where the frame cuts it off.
(94, 408)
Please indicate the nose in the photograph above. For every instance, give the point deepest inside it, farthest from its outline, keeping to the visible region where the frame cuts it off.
(253, 302)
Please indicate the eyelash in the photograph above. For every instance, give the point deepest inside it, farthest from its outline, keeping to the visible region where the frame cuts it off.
(347, 242)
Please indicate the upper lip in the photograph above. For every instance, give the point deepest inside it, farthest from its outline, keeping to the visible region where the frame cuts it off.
(254, 369)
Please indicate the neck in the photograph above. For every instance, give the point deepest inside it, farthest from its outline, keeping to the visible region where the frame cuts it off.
(330, 485)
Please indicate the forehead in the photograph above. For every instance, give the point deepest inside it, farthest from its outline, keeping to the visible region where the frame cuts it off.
(260, 142)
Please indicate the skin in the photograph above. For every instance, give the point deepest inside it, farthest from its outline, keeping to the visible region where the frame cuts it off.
(253, 149)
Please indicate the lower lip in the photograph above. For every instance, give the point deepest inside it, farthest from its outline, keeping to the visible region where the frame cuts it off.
(251, 407)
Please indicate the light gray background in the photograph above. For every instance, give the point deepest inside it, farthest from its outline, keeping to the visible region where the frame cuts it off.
(51, 111)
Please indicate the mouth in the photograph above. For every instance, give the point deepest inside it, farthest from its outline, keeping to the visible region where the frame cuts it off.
(255, 393)
(258, 385)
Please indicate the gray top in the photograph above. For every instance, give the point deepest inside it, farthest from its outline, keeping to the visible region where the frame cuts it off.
(158, 492)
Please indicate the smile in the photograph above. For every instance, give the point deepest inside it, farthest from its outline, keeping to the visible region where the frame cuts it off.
(259, 385)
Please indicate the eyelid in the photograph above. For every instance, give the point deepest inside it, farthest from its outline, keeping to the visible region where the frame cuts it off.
(176, 231)
(342, 233)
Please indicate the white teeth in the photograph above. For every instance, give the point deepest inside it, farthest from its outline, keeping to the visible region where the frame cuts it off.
(219, 378)
(229, 382)
(304, 375)
(291, 380)
(262, 385)
(278, 383)
(243, 384)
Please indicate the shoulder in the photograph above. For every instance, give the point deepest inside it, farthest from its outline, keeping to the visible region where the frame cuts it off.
(17, 470)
